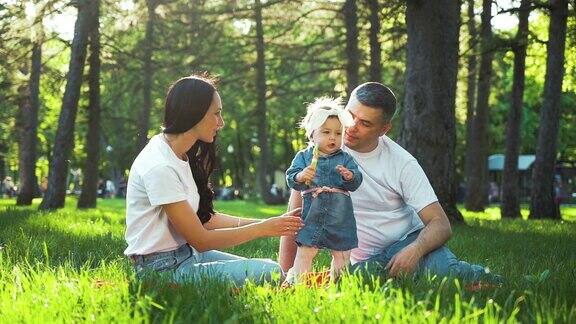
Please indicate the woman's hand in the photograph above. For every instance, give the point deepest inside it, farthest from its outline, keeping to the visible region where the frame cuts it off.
(287, 224)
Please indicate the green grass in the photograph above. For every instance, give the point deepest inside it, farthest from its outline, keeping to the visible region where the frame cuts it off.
(492, 212)
(67, 265)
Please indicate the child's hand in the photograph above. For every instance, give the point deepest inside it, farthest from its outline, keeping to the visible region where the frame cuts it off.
(306, 175)
(344, 172)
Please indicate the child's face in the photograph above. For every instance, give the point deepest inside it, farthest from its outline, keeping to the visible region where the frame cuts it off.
(328, 137)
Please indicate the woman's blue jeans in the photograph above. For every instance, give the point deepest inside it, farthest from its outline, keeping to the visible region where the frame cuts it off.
(186, 264)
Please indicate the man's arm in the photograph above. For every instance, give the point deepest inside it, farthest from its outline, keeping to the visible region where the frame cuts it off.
(435, 233)
(288, 247)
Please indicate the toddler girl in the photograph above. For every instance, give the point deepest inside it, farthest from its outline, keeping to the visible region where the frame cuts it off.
(324, 174)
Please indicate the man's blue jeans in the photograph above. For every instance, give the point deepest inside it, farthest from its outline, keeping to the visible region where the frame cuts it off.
(441, 262)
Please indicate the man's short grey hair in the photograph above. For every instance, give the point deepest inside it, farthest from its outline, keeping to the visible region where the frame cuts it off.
(376, 95)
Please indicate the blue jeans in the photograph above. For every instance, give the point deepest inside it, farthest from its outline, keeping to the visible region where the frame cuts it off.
(186, 264)
(441, 262)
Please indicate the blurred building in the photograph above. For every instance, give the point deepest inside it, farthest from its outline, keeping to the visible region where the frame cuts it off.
(565, 176)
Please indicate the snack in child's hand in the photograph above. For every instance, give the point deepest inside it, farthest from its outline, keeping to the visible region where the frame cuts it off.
(315, 153)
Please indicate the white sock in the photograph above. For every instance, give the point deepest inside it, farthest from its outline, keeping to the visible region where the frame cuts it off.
(290, 277)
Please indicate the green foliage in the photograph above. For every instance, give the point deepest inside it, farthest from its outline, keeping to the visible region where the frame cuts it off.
(68, 266)
(304, 51)
(501, 88)
(10, 78)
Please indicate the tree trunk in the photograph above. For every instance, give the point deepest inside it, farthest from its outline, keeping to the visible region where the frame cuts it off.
(239, 161)
(195, 23)
(478, 172)
(2, 162)
(27, 141)
(375, 47)
(58, 170)
(543, 204)
(286, 142)
(510, 207)
(90, 184)
(144, 120)
(261, 111)
(352, 53)
(471, 86)
(429, 124)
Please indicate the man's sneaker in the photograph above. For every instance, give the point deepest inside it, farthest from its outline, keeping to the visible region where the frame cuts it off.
(489, 282)
(481, 286)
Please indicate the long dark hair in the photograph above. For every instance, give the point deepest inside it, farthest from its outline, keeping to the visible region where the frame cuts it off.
(187, 102)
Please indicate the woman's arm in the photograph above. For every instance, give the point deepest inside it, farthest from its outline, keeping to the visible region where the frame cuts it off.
(186, 222)
(220, 220)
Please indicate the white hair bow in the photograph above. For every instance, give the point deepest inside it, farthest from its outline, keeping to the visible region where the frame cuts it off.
(319, 111)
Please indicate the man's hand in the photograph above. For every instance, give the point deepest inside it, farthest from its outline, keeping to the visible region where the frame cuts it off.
(306, 175)
(435, 233)
(405, 262)
(346, 174)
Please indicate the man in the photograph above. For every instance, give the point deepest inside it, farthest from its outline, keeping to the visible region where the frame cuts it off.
(8, 187)
(401, 226)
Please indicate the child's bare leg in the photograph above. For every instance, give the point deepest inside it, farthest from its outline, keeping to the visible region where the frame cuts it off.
(340, 259)
(302, 263)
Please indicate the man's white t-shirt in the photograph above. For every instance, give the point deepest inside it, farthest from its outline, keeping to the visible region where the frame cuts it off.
(157, 177)
(394, 189)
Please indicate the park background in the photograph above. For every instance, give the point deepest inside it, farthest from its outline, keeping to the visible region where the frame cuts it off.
(481, 85)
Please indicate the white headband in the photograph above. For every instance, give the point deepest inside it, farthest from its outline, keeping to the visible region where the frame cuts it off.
(320, 110)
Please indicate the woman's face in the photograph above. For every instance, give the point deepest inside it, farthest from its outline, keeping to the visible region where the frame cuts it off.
(212, 122)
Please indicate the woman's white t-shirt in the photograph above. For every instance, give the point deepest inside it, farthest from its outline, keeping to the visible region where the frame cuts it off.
(157, 177)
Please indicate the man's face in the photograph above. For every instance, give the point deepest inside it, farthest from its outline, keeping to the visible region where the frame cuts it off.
(369, 125)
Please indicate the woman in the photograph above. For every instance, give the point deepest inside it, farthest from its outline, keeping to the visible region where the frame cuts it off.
(171, 223)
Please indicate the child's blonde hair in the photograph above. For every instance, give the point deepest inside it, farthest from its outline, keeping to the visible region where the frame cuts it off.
(318, 111)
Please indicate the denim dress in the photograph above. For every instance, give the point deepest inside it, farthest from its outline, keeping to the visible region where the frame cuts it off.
(328, 218)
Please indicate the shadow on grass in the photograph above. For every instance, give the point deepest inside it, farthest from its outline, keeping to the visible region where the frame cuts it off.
(14, 219)
(210, 300)
(521, 252)
(515, 249)
(12, 215)
(23, 239)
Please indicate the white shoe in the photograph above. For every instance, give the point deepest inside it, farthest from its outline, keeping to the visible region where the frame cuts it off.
(290, 279)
